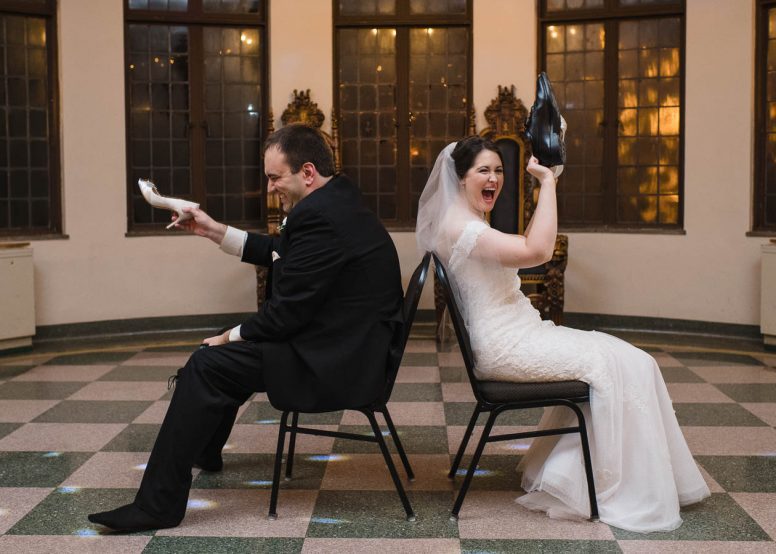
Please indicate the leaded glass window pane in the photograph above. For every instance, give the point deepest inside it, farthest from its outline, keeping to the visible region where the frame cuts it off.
(367, 99)
(575, 66)
(769, 186)
(233, 123)
(438, 103)
(437, 7)
(159, 5)
(367, 7)
(649, 112)
(564, 5)
(231, 6)
(25, 166)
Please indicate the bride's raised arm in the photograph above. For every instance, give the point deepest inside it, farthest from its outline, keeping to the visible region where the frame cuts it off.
(537, 245)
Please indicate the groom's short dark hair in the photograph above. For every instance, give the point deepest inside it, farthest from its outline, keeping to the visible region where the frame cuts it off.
(301, 144)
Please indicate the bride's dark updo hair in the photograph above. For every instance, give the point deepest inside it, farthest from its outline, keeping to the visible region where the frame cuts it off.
(467, 150)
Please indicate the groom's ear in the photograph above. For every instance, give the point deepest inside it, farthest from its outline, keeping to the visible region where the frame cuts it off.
(308, 172)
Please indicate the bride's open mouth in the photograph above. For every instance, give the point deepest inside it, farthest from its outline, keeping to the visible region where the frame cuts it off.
(489, 194)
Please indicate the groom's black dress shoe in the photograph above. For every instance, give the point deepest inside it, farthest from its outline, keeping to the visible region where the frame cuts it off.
(542, 127)
(215, 463)
(129, 519)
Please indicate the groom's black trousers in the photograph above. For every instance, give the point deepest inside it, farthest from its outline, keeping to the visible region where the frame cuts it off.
(208, 391)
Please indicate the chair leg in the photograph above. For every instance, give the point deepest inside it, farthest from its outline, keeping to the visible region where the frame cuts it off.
(291, 445)
(389, 462)
(466, 436)
(273, 498)
(588, 464)
(473, 465)
(397, 442)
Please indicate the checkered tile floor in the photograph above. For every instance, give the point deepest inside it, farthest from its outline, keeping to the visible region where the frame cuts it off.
(76, 429)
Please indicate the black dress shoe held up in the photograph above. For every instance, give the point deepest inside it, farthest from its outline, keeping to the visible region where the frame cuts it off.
(543, 127)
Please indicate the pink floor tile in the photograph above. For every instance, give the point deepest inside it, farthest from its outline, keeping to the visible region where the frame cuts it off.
(764, 410)
(74, 545)
(121, 390)
(511, 448)
(171, 359)
(736, 374)
(66, 437)
(242, 513)
(15, 503)
(64, 373)
(369, 472)
(730, 441)
(695, 392)
(154, 413)
(418, 375)
(110, 470)
(447, 359)
(762, 508)
(380, 546)
(402, 413)
(421, 346)
(22, 411)
(666, 360)
(263, 439)
(457, 392)
(495, 515)
(696, 547)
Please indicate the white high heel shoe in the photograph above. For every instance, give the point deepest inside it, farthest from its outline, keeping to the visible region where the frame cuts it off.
(152, 196)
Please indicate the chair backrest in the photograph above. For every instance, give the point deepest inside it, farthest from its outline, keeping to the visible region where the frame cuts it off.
(409, 309)
(464, 342)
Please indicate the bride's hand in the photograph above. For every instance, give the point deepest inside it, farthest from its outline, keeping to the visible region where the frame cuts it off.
(539, 171)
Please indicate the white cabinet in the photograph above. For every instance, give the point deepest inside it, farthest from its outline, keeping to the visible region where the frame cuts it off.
(17, 296)
(768, 295)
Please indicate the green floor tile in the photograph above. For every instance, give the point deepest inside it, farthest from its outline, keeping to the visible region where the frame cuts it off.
(137, 437)
(714, 358)
(222, 545)
(11, 371)
(87, 358)
(254, 471)
(93, 411)
(715, 415)
(350, 514)
(419, 359)
(7, 428)
(416, 392)
(459, 413)
(753, 392)
(547, 546)
(493, 473)
(39, 469)
(742, 473)
(415, 439)
(64, 511)
(263, 413)
(140, 373)
(453, 375)
(679, 375)
(718, 518)
(38, 390)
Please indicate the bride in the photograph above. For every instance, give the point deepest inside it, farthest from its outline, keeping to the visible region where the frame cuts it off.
(643, 468)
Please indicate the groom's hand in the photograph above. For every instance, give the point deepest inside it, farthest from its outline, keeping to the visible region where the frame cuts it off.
(218, 340)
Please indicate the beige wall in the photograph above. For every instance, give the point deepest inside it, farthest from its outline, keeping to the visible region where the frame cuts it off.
(710, 274)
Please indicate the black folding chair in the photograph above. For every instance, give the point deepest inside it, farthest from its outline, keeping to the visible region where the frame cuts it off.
(411, 299)
(496, 397)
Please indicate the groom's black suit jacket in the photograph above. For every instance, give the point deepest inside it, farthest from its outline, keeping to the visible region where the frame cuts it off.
(334, 307)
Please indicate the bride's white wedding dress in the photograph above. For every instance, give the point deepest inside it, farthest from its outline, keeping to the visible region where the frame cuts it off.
(643, 468)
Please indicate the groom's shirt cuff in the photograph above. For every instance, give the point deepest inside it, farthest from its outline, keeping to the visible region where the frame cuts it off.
(234, 335)
(234, 241)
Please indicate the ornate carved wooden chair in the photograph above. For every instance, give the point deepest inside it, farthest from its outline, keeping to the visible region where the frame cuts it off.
(300, 110)
(543, 284)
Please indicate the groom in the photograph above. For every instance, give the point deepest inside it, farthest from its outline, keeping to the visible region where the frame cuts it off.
(321, 340)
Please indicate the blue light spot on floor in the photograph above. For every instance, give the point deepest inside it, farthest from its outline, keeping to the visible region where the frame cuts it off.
(327, 520)
(199, 504)
(518, 446)
(68, 490)
(260, 483)
(477, 472)
(326, 458)
(52, 454)
(267, 421)
(86, 533)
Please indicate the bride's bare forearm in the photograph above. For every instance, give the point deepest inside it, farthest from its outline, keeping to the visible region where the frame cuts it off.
(543, 227)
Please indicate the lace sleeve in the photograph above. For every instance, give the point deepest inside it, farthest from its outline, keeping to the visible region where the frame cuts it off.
(466, 241)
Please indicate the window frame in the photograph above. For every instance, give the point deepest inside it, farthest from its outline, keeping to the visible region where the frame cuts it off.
(195, 18)
(759, 225)
(49, 12)
(610, 14)
(402, 21)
